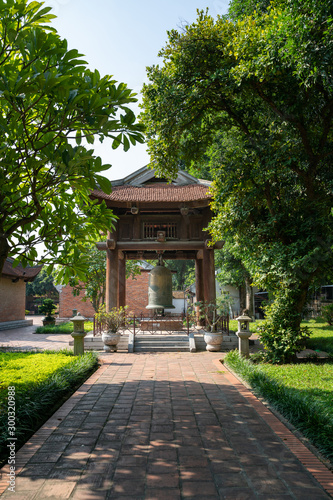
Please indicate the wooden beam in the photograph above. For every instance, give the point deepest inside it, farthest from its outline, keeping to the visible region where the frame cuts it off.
(110, 244)
(147, 255)
(199, 254)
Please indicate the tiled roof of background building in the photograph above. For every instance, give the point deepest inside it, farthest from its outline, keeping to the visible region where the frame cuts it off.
(156, 193)
(19, 272)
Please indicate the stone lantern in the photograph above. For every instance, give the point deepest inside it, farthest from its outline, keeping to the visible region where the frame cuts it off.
(78, 334)
(244, 334)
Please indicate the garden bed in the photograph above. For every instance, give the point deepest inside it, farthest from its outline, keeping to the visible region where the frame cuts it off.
(66, 328)
(302, 393)
(41, 382)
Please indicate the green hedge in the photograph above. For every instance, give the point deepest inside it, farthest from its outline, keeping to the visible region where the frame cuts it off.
(63, 328)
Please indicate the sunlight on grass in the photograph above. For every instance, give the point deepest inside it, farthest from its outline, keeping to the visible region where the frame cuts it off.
(321, 335)
(302, 392)
(18, 368)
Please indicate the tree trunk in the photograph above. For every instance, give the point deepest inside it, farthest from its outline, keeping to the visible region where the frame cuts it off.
(4, 250)
(242, 298)
(300, 302)
(249, 297)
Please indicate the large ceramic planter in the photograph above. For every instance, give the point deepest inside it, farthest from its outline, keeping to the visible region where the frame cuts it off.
(213, 341)
(110, 340)
(48, 322)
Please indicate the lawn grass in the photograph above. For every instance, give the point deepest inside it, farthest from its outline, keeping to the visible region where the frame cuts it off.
(303, 393)
(233, 325)
(321, 335)
(42, 381)
(63, 328)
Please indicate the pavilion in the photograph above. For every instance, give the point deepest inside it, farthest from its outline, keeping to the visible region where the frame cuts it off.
(156, 217)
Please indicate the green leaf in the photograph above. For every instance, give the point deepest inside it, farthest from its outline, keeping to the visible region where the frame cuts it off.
(126, 143)
(104, 184)
(117, 141)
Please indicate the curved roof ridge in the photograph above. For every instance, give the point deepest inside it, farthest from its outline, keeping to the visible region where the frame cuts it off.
(156, 193)
(146, 174)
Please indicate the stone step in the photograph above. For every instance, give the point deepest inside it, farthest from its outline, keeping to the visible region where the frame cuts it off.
(92, 343)
(161, 343)
(161, 349)
(10, 325)
(229, 342)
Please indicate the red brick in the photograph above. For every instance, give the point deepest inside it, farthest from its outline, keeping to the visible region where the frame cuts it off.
(12, 300)
(136, 298)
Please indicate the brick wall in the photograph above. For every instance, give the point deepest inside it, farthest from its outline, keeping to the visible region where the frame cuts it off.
(67, 302)
(137, 293)
(136, 298)
(12, 300)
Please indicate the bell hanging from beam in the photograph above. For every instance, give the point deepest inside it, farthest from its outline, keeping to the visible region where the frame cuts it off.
(160, 287)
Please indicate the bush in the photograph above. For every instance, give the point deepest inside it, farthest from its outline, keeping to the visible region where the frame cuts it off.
(113, 319)
(281, 333)
(48, 307)
(281, 344)
(327, 313)
(63, 328)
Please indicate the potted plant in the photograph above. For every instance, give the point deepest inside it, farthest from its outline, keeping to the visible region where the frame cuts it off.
(111, 321)
(48, 307)
(213, 313)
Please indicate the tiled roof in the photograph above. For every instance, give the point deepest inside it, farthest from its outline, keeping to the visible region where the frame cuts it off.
(156, 193)
(19, 272)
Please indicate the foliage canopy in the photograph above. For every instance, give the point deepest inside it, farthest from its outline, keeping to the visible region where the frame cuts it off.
(51, 109)
(251, 93)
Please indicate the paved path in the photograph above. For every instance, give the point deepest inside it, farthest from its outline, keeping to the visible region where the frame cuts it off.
(25, 338)
(166, 426)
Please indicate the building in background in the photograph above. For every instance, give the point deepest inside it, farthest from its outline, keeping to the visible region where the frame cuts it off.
(12, 294)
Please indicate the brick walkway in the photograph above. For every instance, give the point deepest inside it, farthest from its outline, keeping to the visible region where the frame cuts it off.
(165, 426)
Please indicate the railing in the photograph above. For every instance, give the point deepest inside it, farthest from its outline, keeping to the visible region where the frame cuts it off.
(151, 323)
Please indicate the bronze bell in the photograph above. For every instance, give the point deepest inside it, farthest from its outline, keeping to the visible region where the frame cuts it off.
(160, 288)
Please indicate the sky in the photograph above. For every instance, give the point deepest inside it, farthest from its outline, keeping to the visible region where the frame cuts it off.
(122, 38)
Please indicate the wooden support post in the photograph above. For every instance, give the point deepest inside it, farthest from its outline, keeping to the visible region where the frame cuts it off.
(209, 276)
(122, 283)
(199, 288)
(112, 279)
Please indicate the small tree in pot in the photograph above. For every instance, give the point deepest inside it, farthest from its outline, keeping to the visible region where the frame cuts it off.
(112, 321)
(48, 307)
(213, 313)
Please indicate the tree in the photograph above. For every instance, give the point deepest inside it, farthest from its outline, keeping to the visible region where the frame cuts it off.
(94, 284)
(256, 88)
(183, 267)
(231, 271)
(51, 104)
(42, 285)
